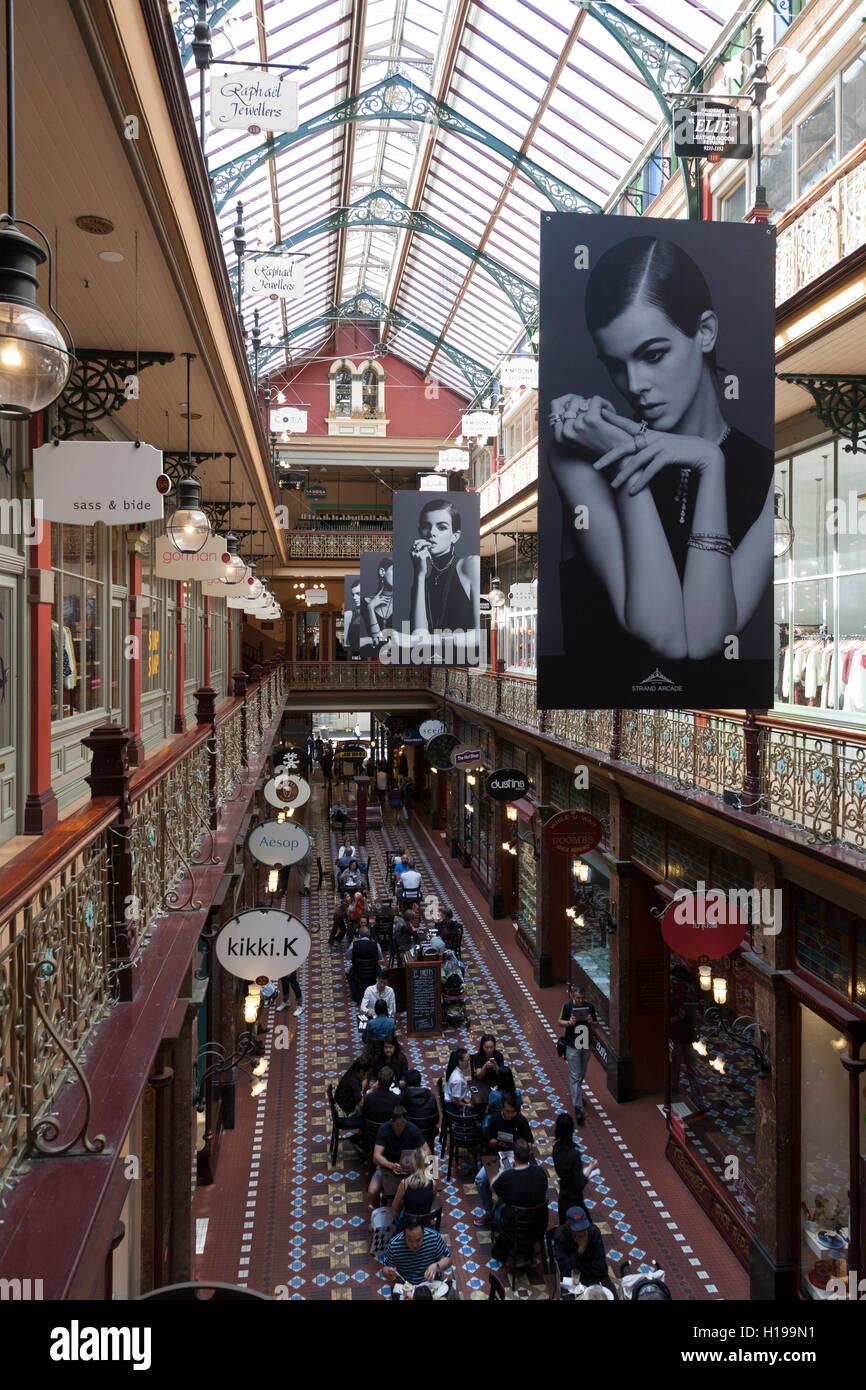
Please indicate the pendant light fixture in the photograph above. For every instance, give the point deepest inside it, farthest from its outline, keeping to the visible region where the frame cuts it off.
(235, 568)
(35, 358)
(188, 527)
(255, 586)
(783, 531)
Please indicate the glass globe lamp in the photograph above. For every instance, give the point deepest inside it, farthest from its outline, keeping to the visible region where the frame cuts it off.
(496, 595)
(35, 359)
(235, 568)
(783, 531)
(188, 528)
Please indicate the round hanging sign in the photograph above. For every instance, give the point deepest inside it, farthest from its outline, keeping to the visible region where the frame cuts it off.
(430, 728)
(573, 832)
(703, 924)
(263, 940)
(280, 843)
(286, 790)
(466, 755)
(507, 784)
(439, 751)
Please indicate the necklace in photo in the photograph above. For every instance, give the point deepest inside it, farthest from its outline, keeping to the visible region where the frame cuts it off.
(682, 493)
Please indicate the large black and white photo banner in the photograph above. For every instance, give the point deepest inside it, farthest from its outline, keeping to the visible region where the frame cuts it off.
(352, 614)
(437, 578)
(377, 603)
(655, 489)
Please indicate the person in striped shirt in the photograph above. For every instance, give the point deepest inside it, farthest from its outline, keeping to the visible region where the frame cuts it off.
(416, 1255)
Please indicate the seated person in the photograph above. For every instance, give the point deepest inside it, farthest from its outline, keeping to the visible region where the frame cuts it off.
(380, 1027)
(523, 1184)
(422, 1105)
(410, 883)
(487, 1061)
(456, 1085)
(349, 1094)
(350, 877)
(379, 1099)
(397, 867)
(416, 1255)
(391, 1055)
(407, 930)
(345, 855)
(380, 990)
(501, 1132)
(414, 1197)
(340, 814)
(504, 1086)
(579, 1249)
(393, 1138)
(449, 928)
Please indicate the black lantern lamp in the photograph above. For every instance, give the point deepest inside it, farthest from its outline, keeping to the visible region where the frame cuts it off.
(35, 358)
(255, 587)
(188, 527)
(239, 242)
(235, 567)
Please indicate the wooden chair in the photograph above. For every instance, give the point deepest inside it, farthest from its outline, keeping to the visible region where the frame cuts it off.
(556, 1279)
(464, 1137)
(446, 1118)
(528, 1235)
(433, 1218)
(342, 1128)
(363, 975)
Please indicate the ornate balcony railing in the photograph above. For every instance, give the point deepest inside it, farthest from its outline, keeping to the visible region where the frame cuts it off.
(812, 239)
(354, 675)
(79, 905)
(336, 545)
(518, 473)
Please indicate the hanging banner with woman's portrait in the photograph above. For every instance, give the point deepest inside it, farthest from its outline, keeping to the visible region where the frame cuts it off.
(437, 574)
(655, 488)
(377, 603)
(352, 615)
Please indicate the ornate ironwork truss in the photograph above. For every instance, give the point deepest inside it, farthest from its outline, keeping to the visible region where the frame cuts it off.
(396, 98)
(175, 464)
(99, 385)
(840, 402)
(382, 209)
(366, 305)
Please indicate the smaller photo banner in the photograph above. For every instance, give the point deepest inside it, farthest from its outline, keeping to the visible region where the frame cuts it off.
(352, 614)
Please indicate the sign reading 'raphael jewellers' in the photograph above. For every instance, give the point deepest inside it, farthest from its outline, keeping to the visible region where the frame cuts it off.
(208, 563)
(87, 481)
(253, 100)
(263, 944)
(279, 275)
(573, 832)
(278, 842)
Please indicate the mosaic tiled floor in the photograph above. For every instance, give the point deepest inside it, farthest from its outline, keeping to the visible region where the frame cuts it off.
(301, 1229)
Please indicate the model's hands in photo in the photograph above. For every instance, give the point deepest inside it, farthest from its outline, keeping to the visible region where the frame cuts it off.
(649, 451)
(589, 424)
(421, 557)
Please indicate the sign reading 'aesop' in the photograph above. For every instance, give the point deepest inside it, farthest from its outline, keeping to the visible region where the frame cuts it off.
(278, 842)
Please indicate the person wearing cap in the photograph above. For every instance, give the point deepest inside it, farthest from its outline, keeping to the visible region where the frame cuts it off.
(579, 1249)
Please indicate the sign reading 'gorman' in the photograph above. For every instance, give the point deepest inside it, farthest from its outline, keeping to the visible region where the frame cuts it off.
(208, 563)
(280, 275)
(263, 943)
(278, 842)
(241, 100)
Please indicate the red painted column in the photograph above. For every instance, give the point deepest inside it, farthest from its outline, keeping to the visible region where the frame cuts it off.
(362, 784)
(179, 721)
(135, 749)
(40, 808)
(206, 673)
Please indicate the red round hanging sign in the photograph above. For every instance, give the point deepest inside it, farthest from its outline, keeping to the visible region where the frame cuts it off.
(703, 924)
(573, 832)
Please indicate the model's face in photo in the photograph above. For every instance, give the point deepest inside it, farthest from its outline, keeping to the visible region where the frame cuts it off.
(658, 368)
(386, 575)
(356, 594)
(436, 528)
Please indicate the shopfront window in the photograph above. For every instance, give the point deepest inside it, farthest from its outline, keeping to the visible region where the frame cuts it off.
(370, 393)
(825, 1178)
(521, 635)
(78, 619)
(590, 918)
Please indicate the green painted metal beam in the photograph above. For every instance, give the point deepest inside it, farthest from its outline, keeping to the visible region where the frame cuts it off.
(395, 98)
(185, 25)
(366, 305)
(382, 209)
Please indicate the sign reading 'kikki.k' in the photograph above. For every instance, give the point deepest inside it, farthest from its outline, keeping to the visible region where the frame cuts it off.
(263, 944)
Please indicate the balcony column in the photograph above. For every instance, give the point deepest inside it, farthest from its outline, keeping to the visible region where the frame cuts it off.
(361, 784)
(135, 663)
(620, 1080)
(454, 808)
(109, 777)
(325, 629)
(239, 690)
(549, 909)
(205, 699)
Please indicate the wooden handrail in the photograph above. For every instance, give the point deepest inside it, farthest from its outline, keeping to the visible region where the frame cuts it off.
(155, 768)
(49, 853)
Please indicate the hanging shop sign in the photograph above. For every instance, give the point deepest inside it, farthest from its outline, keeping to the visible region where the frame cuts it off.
(314, 492)
(356, 751)
(573, 832)
(316, 595)
(433, 482)
(253, 100)
(453, 461)
(507, 784)
(278, 843)
(708, 923)
(523, 595)
(712, 130)
(289, 419)
(439, 751)
(218, 588)
(430, 728)
(287, 790)
(675, 644)
(479, 422)
(263, 944)
(208, 563)
(466, 755)
(282, 277)
(519, 371)
(412, 737)
(96, 480)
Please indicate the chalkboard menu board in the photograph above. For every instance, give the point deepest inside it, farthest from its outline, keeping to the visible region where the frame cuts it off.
(423, 996)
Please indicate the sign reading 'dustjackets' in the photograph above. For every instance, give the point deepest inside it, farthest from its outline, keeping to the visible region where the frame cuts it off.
(507, 784)
(97, 480)
(253, 100)
(288, 419)
(519, 371)
(278, 842)
(264, 942)
(208, 563)
(573, 832)
(279, 275)
(480, 422)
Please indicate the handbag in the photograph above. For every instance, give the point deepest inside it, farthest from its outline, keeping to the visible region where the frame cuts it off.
(560, 1047)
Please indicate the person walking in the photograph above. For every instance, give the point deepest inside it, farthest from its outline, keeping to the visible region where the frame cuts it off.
(292, 982)
(575, 1025)
(382, 783)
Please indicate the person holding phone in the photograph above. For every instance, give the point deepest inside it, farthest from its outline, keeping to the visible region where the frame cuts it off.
(393, 1139)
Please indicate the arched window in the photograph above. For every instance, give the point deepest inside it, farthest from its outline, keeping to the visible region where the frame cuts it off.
(343, 392)
(370, 393)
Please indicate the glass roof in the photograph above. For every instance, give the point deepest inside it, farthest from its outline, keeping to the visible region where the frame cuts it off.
(550, 85)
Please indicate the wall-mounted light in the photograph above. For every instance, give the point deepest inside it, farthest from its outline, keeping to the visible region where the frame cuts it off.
(720, 989)
(511, 813)
(273, 880)
(470, 780)
(252, 1004)
(469, 808)
(705, 975)
(581, 871)
(260, 1067)
(718, 1065)
(258, 1088)
(700, 1047)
